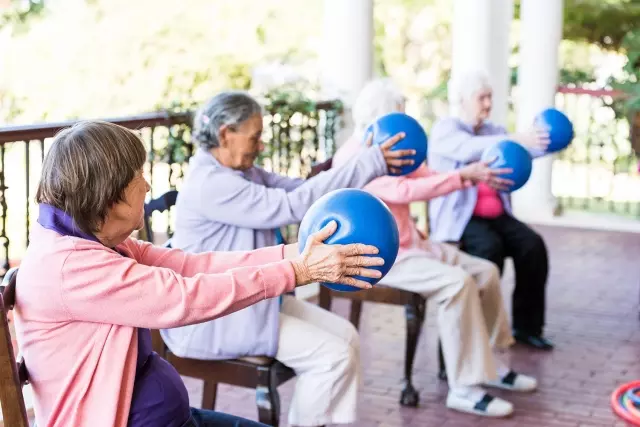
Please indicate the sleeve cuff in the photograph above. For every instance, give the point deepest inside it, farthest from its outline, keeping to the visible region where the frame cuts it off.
(378, 159)
(279, 278)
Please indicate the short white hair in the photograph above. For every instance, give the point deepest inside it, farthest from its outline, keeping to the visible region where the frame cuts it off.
(463, 86)
(378, 98)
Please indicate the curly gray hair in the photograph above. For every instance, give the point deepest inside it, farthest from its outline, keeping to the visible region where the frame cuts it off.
(230, 108)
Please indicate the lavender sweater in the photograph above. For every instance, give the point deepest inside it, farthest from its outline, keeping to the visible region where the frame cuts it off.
(220, 209)
(452, 145)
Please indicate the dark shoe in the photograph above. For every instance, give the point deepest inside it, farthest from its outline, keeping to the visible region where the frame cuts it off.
(535, 341)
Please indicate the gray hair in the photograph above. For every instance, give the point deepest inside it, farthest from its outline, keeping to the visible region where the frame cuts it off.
(464, 85)
(231, 108)
(378, 98)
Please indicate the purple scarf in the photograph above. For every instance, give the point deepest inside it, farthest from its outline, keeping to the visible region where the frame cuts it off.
(159, 396)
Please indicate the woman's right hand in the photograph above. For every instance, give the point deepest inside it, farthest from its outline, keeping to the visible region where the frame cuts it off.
(393, 159)
(537, 138)
(481, 172)
(335, 263)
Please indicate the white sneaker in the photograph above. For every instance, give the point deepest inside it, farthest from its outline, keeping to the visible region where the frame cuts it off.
(515, 382)
(487, 406)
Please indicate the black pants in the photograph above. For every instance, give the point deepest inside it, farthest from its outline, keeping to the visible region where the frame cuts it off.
(505, 236)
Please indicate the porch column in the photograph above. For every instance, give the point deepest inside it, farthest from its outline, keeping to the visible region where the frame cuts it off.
(346, 52)
(541, 33)
(480, 41)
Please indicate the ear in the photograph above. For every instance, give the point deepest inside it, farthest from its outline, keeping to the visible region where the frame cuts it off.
(223, 135)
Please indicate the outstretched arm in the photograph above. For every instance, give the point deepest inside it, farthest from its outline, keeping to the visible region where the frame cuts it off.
(422, 185)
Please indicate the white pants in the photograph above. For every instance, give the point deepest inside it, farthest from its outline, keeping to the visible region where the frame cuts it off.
(324, 351)
(471, 313)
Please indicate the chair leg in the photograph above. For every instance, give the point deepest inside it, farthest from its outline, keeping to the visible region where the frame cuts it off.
(324, 298)
(415, 317)
(267, 397)
(354, 314)
(442, 369)
(209, 395)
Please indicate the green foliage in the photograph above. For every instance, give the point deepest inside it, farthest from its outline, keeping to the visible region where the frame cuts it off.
(601, 22)
(145, 58)
(283, 101)
(629, 82)
(19, 15)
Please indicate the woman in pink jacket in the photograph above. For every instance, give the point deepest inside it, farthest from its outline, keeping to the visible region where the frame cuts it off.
(87, 293)
(465, 289)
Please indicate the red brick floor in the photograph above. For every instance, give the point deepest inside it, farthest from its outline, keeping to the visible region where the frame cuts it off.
(592, 317)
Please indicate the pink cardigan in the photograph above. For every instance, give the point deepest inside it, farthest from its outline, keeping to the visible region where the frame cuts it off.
(78, 304)
(398, 192)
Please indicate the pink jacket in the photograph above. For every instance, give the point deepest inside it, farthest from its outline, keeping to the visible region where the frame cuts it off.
(78, 304)
(398, 192)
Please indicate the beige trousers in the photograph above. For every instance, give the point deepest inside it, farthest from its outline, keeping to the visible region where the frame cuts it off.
(324, 351)
(470, 309)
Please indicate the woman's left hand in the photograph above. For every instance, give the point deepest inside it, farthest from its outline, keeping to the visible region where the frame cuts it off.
(481, 172)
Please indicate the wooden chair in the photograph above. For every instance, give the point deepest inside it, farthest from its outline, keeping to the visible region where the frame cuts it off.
(262, 373)
(13, 373)
(415, 309)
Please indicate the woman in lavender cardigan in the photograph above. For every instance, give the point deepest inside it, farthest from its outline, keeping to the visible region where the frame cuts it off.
(480, 218)
(225, 204)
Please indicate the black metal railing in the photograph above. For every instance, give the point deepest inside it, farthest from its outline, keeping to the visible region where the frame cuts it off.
(294, 141)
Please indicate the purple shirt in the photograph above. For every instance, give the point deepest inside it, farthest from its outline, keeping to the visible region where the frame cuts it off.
(160, 398)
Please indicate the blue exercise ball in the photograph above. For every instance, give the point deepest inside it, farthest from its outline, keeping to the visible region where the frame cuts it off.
(510, 154)
(415, 137)
(559, 126)
(361, 218)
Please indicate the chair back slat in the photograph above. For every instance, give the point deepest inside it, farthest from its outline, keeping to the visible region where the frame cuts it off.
(159, 204)
(13, 375)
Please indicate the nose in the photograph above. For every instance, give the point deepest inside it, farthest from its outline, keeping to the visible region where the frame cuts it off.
(147, 186)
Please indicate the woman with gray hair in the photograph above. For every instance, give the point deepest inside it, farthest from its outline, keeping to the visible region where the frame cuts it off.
(227, 204)
(87, 293)
(480, 218)
(465, 289)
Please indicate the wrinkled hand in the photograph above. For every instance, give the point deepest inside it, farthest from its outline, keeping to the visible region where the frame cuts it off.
(393, 158)
(335, 263)
(481, 172)
(537, 138)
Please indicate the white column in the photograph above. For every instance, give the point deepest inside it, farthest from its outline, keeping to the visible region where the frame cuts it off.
(346, 64)
(541, 33)
(480, 38)
(346, 52)
(347, 46)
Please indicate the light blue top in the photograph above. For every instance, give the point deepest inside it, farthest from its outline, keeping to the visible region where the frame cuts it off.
(221, 209)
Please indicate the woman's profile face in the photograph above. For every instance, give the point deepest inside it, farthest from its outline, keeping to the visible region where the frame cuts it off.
(127, 215)
(478, 106)
(242, 144)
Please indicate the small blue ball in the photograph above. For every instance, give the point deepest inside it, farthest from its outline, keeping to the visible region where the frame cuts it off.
(510, 154)
(415, 137)
(559, 126)
(361, 218)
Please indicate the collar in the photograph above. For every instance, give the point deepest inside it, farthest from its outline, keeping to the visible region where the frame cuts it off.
(59, 221)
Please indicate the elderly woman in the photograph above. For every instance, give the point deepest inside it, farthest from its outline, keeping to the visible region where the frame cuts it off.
(466, 289)
(480, 218)
(227, 203)
(87, 293)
